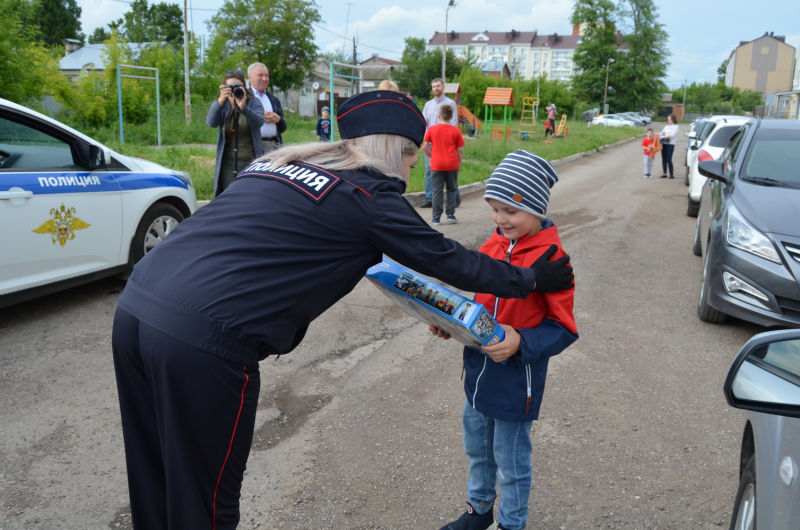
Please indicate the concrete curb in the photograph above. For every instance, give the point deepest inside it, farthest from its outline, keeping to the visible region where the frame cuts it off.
(417, 198)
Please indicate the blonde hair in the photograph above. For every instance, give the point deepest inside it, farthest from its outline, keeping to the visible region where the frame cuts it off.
(382, 152)
(388, 84)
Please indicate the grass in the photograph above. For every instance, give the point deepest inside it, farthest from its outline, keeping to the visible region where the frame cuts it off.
(192, 149)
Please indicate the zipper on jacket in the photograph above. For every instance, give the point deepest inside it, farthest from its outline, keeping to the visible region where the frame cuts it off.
(529, 395)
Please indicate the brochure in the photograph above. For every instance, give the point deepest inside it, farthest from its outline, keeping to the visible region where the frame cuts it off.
(464, 319)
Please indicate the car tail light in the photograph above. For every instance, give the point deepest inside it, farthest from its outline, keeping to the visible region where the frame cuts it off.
(704, 155)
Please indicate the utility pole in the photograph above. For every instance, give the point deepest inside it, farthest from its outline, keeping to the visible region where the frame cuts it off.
(187, 95)
(450, 4)
(605, 90)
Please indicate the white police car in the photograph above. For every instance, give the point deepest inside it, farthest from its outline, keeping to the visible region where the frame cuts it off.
(72, 210)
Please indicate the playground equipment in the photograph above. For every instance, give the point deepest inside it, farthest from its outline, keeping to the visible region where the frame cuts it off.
(527, 122)
(561, 130)
(465, 118)
(497, 97)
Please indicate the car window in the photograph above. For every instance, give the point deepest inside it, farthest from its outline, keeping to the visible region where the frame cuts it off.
(781, 358)
(722, 135)
(775, 154)
(25, 148)
(731, 153)
(706, 130)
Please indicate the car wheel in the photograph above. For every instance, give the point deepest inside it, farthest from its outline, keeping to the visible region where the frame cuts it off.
(697, 247)
(156, 224)
(744, 509)
(705, 311)
(692, 207)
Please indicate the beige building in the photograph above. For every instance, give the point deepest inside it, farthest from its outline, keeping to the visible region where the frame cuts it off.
(765, 65)
(527, 54)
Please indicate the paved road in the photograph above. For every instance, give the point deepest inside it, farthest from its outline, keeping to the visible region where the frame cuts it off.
(360, 427)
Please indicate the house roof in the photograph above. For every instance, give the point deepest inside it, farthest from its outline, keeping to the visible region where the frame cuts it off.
(495, 64)
(500, 38)
(92, 56)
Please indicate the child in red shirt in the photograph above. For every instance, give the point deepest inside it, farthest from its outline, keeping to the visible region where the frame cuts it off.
(649, 144)
(444, 143)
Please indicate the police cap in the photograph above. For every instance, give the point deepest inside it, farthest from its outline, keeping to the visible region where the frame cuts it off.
(380, 112)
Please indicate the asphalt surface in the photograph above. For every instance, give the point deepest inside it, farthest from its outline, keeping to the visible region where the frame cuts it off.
(360, 426)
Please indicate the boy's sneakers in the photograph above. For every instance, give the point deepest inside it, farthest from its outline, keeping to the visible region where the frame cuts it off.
(451, 219)
(470, 520)
(436, 222)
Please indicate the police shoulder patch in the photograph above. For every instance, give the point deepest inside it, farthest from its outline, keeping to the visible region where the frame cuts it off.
(313, 182)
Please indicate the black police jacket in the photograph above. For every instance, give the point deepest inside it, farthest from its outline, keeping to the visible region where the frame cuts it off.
(245, 275)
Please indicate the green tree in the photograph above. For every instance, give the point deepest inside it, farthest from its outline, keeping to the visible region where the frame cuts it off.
(278, 33)
(160, 22)
(597, 51)
(28, 67)
(420, 66)
(639, 72)
(58, 20)
(99, 36)
(722, 71)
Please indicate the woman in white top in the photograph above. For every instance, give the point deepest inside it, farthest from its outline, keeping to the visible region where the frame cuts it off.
(668, 137)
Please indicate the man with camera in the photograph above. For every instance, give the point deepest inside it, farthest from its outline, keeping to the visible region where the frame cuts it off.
(274, 124)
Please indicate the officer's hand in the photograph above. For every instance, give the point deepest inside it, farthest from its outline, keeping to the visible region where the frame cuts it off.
(552, 275)
(439, 332)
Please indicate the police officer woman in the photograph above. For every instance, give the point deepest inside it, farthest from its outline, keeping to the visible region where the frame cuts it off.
(244, 277)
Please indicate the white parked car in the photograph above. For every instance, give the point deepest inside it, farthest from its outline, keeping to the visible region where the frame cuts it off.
(73, 210)
(717, 138)
(613, 120)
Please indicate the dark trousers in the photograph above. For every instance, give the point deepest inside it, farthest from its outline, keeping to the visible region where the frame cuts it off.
(187, 421)
(438, 181)
(666, 159)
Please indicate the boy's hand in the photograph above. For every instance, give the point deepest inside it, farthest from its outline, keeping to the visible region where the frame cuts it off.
(503, 350)
(439, 332)
(552, 275)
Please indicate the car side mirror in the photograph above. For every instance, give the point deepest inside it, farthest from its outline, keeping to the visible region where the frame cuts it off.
(712, 169)
(765, 376)
(694, 147)
(97, 158)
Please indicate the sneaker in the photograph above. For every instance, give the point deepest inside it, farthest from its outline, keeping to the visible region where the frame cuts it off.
(435, 222)
(427, 204)
(451, 219)
(662, 177)
(672, 176)
(647, 176)
(470, 520)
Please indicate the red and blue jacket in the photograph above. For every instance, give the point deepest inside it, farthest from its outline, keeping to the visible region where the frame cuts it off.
(513, 391)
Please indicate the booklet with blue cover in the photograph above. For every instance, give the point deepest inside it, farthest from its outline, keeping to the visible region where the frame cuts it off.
(464, 319)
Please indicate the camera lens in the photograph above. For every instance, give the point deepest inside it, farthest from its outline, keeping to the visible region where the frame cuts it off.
(238, 92)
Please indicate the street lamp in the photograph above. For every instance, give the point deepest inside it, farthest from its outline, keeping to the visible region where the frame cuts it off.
(451, 3)
(605, 90)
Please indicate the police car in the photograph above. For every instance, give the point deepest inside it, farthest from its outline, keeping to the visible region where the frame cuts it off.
(72, 210)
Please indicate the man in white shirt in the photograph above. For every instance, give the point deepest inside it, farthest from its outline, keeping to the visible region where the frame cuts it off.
(274, 124)
(431, 114)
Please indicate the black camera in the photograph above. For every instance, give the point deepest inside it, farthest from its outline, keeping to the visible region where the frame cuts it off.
(237, 89)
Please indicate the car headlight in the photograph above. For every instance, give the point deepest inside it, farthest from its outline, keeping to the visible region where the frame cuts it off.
(741, 234)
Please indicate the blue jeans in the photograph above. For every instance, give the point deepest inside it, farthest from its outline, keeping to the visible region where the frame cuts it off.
(427, 177)
(666, 159)
(499, 453)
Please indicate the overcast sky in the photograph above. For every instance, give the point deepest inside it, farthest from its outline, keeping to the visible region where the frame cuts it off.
(702, 33)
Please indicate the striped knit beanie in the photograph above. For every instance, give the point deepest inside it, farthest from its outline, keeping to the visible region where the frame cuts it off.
(522, 180)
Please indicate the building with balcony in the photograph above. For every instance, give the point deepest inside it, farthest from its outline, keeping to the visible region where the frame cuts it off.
(528, 54)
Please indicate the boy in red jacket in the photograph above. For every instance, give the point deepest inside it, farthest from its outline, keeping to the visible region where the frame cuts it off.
(504, 382)
(444, 143)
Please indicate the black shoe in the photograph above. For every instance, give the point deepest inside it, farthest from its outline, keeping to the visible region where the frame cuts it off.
(427, 204)
(672, 176)
(662, 177)
(470, 520)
